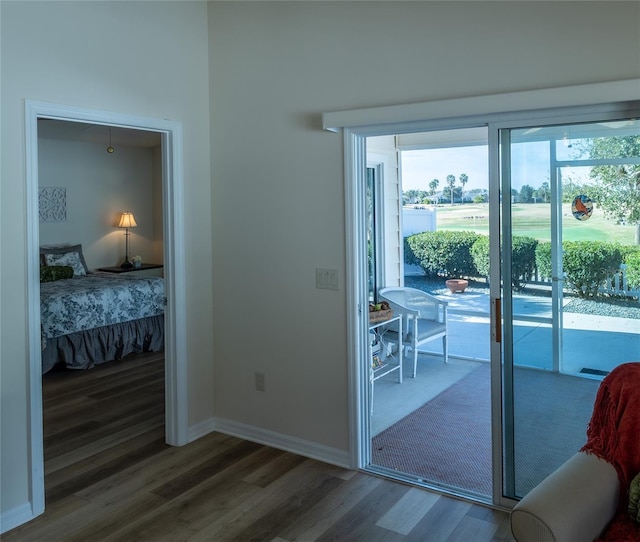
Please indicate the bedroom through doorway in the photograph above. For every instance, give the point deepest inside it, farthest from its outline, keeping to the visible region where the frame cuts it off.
(103, 387)
(171, 216)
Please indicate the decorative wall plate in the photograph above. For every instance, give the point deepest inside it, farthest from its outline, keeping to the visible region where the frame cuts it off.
(52, 204)
(582, 207)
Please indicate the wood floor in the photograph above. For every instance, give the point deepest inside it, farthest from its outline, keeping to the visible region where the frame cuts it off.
(110, 477)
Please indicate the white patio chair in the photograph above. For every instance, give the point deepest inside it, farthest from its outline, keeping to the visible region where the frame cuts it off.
(424, 319)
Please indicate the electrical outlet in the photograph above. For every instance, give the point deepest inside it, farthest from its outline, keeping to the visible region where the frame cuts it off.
(260, 384)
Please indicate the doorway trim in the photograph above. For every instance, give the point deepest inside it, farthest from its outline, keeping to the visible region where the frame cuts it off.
(176, 419)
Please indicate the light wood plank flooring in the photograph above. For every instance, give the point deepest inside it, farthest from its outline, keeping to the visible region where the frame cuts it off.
(111, 477)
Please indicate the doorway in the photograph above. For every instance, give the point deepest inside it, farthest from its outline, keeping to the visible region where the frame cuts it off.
(507, 302)
(432, 427)
(172, 186)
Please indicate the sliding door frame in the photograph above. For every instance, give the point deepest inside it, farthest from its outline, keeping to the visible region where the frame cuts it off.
(486, 111)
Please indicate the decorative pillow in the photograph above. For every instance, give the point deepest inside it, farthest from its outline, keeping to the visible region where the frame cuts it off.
(634, 499)
(55, 272)
(66, 255)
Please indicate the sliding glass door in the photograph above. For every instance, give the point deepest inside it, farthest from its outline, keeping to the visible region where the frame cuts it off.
(570, 197)
(551, 306)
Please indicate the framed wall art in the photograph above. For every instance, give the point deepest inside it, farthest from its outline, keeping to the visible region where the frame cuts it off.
(52, 204)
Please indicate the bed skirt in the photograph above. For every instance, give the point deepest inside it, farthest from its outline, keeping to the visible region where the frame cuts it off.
(84, 349)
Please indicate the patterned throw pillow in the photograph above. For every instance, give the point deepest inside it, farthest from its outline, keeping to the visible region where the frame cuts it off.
(55, 272)
(70, 255)
(70, 259)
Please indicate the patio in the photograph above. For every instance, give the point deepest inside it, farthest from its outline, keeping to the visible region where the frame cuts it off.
(469, 345)
(469, 348)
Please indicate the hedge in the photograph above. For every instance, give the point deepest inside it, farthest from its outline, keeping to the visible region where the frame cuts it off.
(586, 264)
(523, 259)
(543, 260)
(631, 258)
(444, 253)
(480, 255)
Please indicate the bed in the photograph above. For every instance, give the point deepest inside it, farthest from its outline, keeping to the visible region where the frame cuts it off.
(91, 318)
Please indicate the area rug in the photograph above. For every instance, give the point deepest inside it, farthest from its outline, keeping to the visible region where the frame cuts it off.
(447, 441)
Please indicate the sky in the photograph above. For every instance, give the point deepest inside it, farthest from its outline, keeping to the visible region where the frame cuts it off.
(420, 167)
(530, 165)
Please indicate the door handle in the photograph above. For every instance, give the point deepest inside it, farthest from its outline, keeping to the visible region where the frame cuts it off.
(497, 320)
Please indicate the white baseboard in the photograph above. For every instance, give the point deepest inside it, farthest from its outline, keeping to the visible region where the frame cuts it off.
(201, 429)
(287, 443)
(15, 517)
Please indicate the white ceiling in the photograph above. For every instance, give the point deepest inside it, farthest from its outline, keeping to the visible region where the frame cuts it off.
(96, 133)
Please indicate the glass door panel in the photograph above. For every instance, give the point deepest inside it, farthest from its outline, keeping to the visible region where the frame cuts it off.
(569, 316)
(433, 427)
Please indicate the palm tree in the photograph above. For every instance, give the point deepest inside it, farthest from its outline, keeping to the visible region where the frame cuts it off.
(433, 186)
(464, 179)
(451, 180)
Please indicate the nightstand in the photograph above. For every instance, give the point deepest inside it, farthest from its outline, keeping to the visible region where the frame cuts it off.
(143, 267)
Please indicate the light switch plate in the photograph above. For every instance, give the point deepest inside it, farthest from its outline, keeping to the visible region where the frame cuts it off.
(327, 279)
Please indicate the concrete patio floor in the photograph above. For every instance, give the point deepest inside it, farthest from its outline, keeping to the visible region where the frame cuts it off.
(593, 342)
(588, 341)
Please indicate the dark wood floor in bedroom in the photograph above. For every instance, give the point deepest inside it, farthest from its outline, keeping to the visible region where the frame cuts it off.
(111, 477)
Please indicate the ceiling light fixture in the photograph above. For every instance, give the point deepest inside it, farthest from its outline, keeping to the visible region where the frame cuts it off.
(110, 149)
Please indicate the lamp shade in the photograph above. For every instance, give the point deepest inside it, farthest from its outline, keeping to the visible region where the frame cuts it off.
(127, 220)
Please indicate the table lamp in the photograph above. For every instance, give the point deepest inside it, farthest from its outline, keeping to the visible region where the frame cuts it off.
(127, 221)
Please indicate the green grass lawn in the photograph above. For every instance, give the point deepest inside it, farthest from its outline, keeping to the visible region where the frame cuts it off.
(534, 220)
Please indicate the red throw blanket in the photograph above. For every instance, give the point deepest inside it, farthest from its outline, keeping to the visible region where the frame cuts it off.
(613, 435)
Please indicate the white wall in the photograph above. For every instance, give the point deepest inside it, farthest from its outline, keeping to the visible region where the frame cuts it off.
(99, 187)
(278, 194)
(147, 59)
